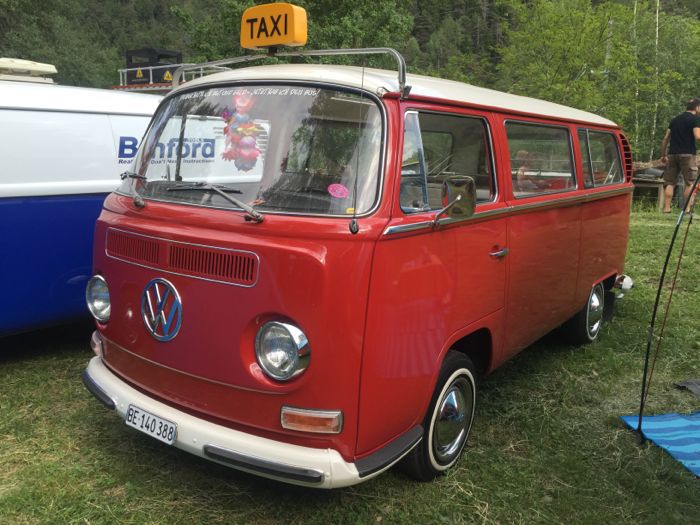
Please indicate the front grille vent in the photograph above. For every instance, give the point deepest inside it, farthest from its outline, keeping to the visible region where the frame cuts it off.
(133, 247)
(205, 262)
(231, 266)
(627, 153)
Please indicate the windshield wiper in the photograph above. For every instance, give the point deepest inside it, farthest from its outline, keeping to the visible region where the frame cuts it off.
(138, 200)
(224, 191)
(131, 175)
(204, 186)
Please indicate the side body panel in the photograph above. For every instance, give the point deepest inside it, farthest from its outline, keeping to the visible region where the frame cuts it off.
(604, 232)
(544, 263)
(428, 288)
(431, 287)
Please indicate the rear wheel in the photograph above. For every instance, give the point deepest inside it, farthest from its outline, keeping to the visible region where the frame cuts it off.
(448, 421)
(584, 327)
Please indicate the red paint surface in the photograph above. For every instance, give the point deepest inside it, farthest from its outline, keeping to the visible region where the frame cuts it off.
(379, 311)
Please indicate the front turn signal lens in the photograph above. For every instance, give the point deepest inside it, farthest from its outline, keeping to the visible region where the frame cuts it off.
(318, 421)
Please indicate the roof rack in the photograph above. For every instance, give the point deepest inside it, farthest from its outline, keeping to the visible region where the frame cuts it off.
(219, 64)
(26, 70)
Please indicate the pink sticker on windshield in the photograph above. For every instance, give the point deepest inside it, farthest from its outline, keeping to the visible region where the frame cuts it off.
(338, 191)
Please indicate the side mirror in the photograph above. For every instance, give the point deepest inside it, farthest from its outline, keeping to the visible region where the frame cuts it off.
(458, 198)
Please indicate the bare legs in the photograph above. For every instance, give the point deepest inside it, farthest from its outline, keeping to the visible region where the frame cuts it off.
(668, 197)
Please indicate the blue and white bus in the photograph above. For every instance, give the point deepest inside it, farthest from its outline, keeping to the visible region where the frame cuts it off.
(62, 150)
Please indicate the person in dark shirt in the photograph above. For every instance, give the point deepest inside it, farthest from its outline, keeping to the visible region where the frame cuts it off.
(682, 133)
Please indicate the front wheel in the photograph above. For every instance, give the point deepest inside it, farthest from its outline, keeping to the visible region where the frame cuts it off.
(584, 327)
(448, 421)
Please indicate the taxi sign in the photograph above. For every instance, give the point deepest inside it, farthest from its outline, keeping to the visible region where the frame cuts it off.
(270, 25)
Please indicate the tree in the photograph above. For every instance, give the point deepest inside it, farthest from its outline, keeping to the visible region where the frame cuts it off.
(604, 58)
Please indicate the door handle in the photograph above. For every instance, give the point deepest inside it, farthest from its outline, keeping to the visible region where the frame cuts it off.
(498, 254)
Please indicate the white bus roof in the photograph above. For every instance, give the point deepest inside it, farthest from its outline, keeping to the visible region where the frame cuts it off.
(51, 97)
(378, 81)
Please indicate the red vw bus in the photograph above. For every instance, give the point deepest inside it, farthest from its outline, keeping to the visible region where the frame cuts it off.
(310, 265)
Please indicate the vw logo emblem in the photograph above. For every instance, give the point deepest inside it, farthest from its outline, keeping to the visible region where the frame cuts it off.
(161, 309)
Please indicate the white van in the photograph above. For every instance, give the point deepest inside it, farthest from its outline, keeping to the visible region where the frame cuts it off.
(62, 150)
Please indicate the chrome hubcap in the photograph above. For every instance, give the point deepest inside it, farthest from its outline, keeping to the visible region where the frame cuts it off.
(453, 417)
(595, 311)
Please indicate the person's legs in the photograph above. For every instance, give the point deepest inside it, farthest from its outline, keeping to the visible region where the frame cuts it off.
(688, 172)
(670, 179)
(668, 197)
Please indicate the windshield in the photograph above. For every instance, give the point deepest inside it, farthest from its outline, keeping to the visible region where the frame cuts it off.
(277, 148)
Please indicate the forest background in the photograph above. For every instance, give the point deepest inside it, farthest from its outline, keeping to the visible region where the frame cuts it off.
(632, 61)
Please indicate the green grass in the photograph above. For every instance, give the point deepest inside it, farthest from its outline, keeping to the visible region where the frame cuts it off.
(547, 446)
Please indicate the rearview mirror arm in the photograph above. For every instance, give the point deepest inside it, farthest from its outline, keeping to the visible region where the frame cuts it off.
(440, 213)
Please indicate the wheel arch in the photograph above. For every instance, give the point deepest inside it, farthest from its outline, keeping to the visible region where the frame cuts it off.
(609, 281)
(478, 346)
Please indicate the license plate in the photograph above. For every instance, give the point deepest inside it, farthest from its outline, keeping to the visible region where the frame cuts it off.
(154, 426)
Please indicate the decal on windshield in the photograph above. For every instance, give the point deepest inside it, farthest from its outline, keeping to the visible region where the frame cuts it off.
(241, 133)
(339, 191)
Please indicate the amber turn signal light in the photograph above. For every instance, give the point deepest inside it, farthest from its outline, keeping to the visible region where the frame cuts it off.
(318, 421)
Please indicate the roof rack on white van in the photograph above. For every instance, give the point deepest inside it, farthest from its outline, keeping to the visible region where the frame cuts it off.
(26, 70)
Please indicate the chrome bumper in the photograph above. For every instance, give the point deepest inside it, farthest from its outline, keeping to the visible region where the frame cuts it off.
(323, 468)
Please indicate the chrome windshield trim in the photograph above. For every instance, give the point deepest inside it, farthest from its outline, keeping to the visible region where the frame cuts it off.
(507, 210)
(327, 85)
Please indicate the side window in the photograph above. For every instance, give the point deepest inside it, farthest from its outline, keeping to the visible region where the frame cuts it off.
(540, 159)
(604, 158)
(585, 158)
(414, 189)
(438, 146)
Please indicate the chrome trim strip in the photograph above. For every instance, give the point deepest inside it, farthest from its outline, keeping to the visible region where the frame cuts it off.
(257, 274)
(258, 465)
(490, 213)
(403, 228)
(556, 203)
(610, 193)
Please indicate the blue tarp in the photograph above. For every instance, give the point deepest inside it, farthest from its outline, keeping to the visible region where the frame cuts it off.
(677, 434)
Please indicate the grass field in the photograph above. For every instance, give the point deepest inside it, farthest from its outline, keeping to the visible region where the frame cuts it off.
(547, 445)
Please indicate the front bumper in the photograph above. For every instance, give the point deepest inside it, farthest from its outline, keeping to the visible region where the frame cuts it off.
(323, 468)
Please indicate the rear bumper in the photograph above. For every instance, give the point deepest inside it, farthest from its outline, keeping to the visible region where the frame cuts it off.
(323, 468)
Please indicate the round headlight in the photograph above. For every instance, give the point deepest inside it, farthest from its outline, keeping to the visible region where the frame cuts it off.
(282, 350)
(97, 297)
